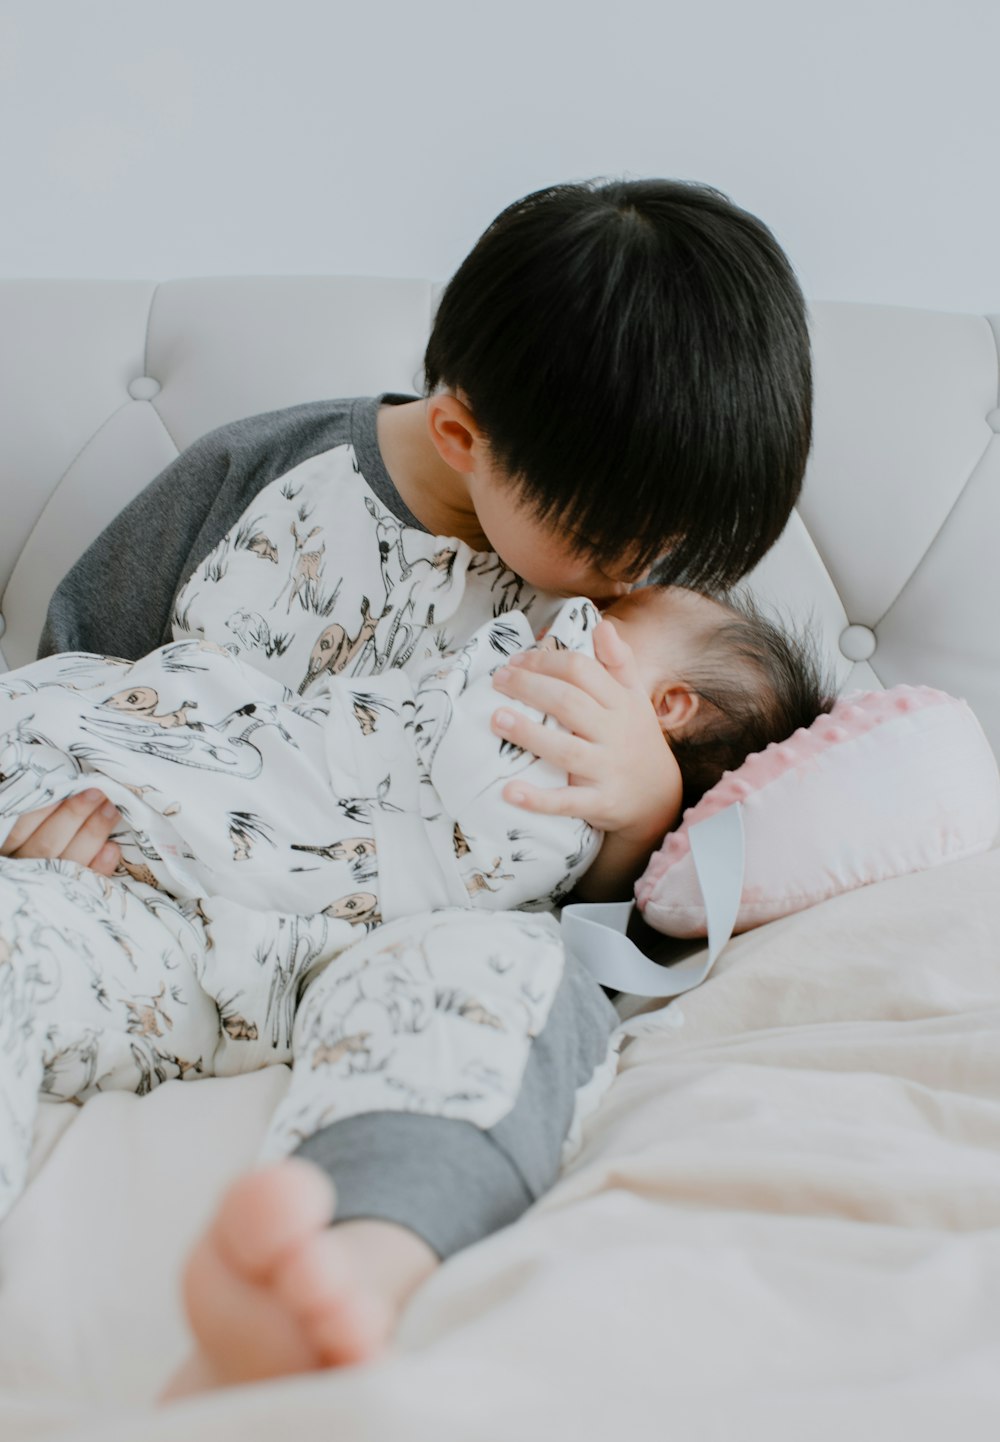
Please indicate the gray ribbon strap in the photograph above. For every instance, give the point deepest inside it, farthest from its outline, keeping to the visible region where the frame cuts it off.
(595, 932)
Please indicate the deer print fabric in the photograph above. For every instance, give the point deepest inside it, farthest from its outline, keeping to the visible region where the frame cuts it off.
(319, 578)
(362, 801)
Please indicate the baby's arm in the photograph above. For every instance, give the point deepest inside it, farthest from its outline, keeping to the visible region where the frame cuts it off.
(623, 777)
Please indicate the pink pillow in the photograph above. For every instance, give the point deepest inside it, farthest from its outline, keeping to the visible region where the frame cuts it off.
(888, 783)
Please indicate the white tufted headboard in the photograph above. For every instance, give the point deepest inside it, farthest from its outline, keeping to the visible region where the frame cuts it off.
(893, 550)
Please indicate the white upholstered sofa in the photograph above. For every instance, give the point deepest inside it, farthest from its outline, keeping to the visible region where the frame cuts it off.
(785, 1220)
(102, 383)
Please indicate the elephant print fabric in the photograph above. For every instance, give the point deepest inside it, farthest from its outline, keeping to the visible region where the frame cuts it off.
(361, 802)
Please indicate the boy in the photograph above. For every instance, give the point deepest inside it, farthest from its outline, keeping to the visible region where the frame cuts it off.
(618, 374)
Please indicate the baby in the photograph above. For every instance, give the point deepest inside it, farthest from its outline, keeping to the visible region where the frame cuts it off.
(396, 781)
(268, 831)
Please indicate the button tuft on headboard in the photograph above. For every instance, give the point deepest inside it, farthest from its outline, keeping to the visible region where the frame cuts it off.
(143, 388)
(857, 643)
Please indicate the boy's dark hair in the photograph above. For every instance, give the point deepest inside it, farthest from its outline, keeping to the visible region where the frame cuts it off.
(757, 684)
(636, 353)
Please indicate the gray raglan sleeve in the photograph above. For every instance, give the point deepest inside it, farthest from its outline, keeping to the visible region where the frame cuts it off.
(117, 599)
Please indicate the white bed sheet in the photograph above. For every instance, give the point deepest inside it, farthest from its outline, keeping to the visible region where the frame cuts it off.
(785, 1222)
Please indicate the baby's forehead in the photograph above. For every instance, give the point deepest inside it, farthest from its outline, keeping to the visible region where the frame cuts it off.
(681, 604)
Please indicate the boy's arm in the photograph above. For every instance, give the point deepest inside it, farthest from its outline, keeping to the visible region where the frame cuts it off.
(615, 869)
(117, 599)
(623, 777)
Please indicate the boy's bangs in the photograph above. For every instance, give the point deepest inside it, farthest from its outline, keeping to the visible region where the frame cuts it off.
(616, 551)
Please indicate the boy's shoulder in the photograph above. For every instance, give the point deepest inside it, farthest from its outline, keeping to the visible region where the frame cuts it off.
(264, 447)
(309, 428)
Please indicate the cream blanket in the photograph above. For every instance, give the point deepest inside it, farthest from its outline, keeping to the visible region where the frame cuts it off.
(784, 1222)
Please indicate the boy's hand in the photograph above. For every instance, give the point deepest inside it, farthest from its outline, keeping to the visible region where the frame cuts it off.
(76, 829)
(623, 776)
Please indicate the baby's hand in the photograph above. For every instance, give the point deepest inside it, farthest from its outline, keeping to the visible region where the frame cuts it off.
(623, 776)
(76, 829)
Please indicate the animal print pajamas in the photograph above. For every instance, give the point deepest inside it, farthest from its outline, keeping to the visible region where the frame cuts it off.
(354, 806)
(283, 538)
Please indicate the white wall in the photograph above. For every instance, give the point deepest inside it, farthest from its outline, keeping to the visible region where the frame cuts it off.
(197, 137)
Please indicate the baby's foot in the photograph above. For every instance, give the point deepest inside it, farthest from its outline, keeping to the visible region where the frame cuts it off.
(273, 1289)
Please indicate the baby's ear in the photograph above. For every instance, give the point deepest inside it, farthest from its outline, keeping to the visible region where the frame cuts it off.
(676, 708)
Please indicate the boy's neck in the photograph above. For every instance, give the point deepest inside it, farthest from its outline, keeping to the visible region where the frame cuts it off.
(435, 493)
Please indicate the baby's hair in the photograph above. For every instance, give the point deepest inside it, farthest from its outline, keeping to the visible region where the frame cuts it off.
(637, 356)
(756, 682)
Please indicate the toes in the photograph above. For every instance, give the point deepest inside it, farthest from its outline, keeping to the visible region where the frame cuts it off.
(343, 1318)
(244, 1332)
(266, 1213)
(271, 1289)
(312, 1274)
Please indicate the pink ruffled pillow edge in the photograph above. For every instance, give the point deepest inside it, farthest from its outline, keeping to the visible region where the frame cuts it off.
(853, 716)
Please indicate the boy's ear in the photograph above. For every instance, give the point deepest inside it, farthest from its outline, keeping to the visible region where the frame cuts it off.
(676, 707)
(453, 431)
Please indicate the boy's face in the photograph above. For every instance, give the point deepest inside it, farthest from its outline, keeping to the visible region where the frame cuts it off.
(539, 551)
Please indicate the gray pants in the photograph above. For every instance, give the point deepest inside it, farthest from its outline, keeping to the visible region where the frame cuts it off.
(437, 1062)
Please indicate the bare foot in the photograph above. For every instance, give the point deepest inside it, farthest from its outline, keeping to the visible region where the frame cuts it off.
(272, 1288)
